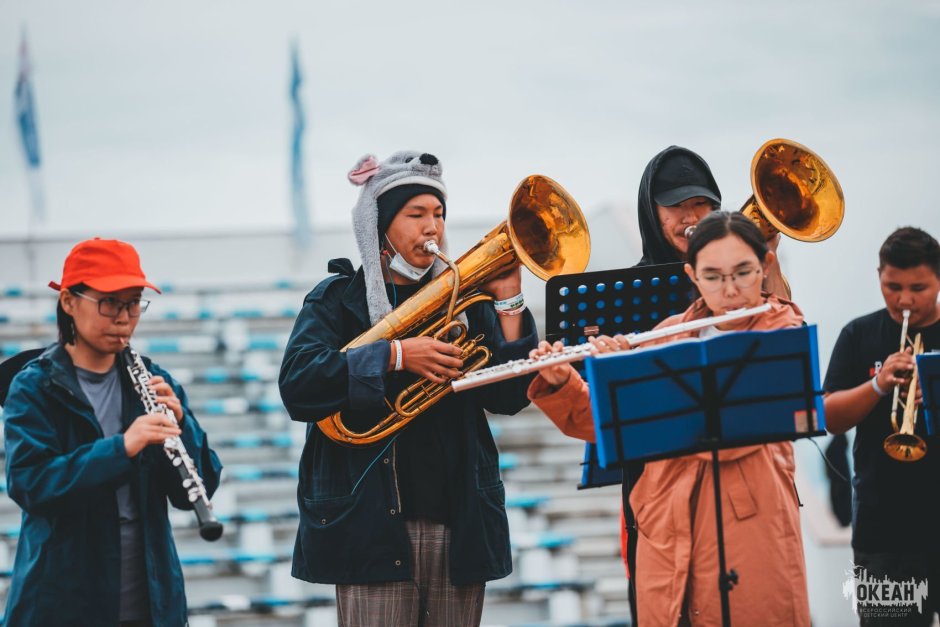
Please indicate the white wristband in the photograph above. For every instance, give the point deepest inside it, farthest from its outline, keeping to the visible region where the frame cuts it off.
(398, 355)
(878, 390)
(511, 312)
(514, 302)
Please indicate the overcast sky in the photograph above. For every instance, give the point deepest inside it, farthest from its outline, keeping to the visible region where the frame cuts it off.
(175, 114)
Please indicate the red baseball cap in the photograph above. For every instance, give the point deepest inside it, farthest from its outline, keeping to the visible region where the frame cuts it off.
(106, 265)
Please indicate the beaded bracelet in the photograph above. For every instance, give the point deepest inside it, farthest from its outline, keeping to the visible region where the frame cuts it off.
(513, 302)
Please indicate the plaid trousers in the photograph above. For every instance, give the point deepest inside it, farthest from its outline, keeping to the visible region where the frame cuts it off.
(429, 600)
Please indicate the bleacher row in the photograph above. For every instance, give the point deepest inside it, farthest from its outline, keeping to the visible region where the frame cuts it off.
(226, 351)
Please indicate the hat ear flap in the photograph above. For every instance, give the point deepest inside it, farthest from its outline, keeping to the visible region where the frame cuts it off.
(365, 169)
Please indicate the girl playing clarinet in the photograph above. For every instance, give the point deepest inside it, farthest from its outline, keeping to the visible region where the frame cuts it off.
(84, 461)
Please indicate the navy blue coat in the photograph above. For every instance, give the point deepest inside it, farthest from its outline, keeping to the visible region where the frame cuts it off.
(351, 527)
(63, 473)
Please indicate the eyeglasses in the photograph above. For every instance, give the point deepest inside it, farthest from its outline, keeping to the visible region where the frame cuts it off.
(112, 307)
(743, 279)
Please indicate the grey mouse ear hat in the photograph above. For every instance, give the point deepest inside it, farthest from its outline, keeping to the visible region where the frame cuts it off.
(420, 172)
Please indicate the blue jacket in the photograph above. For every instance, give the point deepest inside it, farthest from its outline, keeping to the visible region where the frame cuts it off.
(63, 472)
(351, 527)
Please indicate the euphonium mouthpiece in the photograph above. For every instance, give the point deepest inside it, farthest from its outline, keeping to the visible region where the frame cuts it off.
(688, 231)
(430, 246)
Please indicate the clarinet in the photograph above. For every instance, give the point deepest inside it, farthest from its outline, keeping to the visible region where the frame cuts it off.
(209, 528)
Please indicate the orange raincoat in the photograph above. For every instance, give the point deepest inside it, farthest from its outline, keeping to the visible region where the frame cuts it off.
(677, 546)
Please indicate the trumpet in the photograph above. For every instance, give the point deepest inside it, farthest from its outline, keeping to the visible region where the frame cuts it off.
(904, 445)
(569, 354)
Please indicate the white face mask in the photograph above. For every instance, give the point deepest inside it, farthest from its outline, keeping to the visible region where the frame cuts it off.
(403, 268)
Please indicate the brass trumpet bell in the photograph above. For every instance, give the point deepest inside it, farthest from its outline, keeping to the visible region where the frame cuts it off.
(904, 445)
(795, 193)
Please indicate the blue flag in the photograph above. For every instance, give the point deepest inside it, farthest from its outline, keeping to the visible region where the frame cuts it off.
(298, 193)
(25, 112)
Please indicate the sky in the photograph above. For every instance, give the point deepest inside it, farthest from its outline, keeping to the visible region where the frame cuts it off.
(169, 116)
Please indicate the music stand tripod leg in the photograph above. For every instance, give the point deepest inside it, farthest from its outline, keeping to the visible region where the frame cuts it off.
(726, 580)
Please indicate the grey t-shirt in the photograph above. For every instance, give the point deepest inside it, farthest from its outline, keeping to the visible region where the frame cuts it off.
(103, 391)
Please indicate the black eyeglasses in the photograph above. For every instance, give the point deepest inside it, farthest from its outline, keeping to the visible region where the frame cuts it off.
(112, 307)
(743, 278)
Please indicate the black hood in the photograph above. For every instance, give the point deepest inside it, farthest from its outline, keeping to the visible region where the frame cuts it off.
(656, 249)
(11, 367)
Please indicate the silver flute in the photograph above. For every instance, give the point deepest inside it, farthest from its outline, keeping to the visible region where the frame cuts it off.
(209, 528)
(568, 354)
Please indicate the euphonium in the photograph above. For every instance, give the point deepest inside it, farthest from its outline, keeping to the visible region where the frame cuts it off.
(545, 231)
(795, 193)
(904, 445)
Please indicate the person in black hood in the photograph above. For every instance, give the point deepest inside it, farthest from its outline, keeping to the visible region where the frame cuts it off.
(678, 190)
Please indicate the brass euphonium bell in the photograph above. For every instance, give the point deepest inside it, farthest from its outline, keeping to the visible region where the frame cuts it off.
(795, 193)
(545, 231)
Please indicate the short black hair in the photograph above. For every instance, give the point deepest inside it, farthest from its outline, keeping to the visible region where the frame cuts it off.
(719, 224)
(909, 247)
(65, 322)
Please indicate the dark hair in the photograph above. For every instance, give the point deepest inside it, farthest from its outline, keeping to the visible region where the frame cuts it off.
(909, 247)
(719, 224)
(64, 321)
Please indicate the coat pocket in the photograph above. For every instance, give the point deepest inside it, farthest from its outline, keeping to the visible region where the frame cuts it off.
(654, 521)
(488, 476)
(329, 512)
(494, 495)
(739, 492)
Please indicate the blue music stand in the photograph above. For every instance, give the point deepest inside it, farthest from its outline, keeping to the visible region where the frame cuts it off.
(625, 300)
(653, 403)
(928, 369)
(694, 396)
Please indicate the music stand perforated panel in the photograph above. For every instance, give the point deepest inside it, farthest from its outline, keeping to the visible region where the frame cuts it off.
(608, 302)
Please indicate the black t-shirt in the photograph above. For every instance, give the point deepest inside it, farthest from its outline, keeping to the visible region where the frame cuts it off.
(896, 505)
(426, 461)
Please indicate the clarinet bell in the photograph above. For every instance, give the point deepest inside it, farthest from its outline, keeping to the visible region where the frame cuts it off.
(210, 531)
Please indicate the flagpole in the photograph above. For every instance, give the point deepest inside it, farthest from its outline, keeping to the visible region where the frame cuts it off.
(302, 234)
(25, 111)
